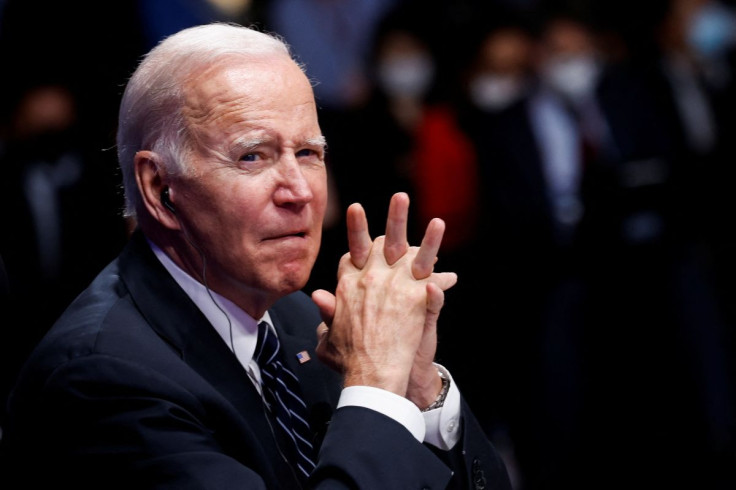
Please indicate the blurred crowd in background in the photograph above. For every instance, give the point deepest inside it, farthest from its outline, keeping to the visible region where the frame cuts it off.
(582, 154)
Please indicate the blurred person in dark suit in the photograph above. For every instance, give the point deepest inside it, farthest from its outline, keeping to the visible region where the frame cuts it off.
(689, 69)
(529, 182)
(59, 177)
(648, 298)
(592, 263)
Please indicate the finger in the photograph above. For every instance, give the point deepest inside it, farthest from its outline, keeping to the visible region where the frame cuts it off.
(345, 264)
(322, 331)
(396, 243)
(435, 301)
(376, 253)
(323, 350)
(427, 255)
(359, 238)
(443, 280)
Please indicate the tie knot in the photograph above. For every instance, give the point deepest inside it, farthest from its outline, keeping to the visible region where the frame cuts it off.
(267, 345)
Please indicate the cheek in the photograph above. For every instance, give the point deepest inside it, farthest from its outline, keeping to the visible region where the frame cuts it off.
(234, 218)
(320, 191)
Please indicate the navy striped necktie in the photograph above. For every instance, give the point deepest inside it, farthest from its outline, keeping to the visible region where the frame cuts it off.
(282, 395)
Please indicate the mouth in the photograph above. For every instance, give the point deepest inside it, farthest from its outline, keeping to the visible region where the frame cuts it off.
(297, 234)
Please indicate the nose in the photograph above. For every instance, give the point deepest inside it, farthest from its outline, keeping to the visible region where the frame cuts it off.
(294, 186)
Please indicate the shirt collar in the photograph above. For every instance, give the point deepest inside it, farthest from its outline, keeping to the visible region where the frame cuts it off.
(238, 330)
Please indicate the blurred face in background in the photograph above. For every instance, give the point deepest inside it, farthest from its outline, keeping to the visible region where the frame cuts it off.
(705, 29)
(570, 62)
(404, 65)
(500, 75)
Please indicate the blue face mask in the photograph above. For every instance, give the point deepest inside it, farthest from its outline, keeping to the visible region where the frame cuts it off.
(712, 30)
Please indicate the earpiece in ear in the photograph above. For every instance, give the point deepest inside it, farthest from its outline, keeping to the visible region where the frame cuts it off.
(166, 200)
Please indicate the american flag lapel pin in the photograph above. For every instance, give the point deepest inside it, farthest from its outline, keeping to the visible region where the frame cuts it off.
(303, 357)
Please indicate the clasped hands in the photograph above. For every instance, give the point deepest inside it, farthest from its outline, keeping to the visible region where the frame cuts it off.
(380, 327)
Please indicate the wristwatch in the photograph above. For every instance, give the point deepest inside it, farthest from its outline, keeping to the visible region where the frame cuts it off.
(440, 400)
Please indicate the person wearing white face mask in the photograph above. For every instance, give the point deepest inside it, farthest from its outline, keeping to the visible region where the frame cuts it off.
(496, 92)
(404, 71)
(571, 67)
(406, 74)
(574, 76)
(502, 71)
(570, 62)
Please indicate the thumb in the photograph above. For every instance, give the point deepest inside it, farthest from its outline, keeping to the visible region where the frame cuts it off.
(443, 280)
(435, 301)
(326, 302)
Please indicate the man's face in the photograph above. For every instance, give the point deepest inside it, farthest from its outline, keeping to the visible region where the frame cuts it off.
(255, 204)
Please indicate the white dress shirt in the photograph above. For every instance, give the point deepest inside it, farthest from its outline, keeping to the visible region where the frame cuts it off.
(439, 427)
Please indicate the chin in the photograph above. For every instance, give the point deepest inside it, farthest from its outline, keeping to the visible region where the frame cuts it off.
(294, 279)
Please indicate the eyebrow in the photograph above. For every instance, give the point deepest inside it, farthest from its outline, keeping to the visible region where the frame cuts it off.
(246, 145)
(252, 143)
(318, 141)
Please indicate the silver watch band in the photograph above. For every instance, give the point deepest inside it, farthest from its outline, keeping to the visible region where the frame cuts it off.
(440, 400)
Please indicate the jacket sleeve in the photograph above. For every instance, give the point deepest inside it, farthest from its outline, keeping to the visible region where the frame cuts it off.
(364, 449)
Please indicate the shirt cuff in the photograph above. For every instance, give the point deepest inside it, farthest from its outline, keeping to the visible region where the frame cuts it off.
(390, 404)
(442, 424)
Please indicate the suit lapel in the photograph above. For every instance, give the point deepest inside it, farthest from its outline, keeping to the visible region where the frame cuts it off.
(178, 321)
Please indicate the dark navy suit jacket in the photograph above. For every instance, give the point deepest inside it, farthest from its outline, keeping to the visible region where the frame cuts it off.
(133, 388)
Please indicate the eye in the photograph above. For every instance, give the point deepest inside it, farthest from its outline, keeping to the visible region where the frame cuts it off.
(306, 152)
(249, 157)
(313, 155)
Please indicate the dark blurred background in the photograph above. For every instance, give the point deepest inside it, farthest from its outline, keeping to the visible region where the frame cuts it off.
(580, 152)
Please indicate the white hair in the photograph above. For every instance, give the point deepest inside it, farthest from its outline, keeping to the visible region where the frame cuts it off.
(150, 115)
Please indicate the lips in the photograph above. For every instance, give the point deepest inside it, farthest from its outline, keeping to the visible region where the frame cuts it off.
(296, 234)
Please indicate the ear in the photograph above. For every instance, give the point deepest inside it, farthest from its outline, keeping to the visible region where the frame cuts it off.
(151, 178)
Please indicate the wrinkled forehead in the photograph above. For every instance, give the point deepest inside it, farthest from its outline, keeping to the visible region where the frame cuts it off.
(264, 100)
(239, 81)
